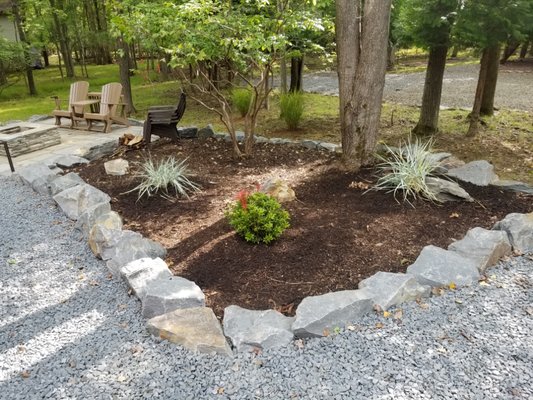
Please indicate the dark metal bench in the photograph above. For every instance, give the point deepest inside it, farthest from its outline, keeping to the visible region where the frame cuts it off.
(163, 121)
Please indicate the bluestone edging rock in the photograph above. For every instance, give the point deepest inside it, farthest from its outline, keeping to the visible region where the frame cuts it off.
(64, 182)
(519, 228)
(75, 200)
(318, 315)
(389, 289)
(437, 267)
(91, 215)
(169, 294)
(140, 273)
(483, 246)
(38, 176)
(197, 329)
(251, 329)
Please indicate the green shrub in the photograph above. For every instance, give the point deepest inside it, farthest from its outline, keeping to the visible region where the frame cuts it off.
(168, 178)
(241, 99)
(258, 217)
(406, 169)
(292, 109)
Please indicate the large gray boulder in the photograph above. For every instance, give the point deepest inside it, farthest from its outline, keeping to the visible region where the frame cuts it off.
(483, 246)
(64, 182)
(206, 132)
(190, 132)
(196, 329)
(139, 274)
(103, 240)
(100, 150)
(249, 329)
(75, 200)
(165, 295)
(91, 216)
(437, 267)
(130, 246)
(317, 315)
(38, 176)
(519, 228)
(445, 190)
(478, 172)
(388, 289)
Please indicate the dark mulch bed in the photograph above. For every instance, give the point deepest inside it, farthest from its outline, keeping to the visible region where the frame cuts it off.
(339, 235)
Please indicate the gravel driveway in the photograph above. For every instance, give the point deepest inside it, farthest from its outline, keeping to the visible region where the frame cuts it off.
(514, 89)
(70, 331)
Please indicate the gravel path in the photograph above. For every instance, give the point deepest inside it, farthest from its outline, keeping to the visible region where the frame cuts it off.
(514, 89)
(68, 331)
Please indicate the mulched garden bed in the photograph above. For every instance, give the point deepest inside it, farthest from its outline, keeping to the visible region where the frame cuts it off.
(339, 234)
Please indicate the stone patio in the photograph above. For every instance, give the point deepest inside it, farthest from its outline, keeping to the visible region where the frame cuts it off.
(73, 142)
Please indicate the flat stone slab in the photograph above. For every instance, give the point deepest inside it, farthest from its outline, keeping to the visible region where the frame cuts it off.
(483, 246)
(250, 329)
(69, 160)
(478, 172)
(318, 315)
(388, 289)
(515, 186)
(437, 267)
(519, 228)
(64, 182)
(169, 294)
(196, 329)
(139, 274)
(75, 200)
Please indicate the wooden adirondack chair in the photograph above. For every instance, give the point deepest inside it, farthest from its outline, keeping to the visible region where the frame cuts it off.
(163, 121)
(108, 106)
(78, 92)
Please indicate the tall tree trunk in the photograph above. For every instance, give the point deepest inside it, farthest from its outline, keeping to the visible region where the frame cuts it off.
(62, 36)
(362, 31)
(124, 67)
(283, 75)
(22, 36)
(428, 122)
(511, 47)
(455, 51)
(474, 116)
(44, 53)
(493, 67)
(297, 66)
(391, 56)
(523, 49)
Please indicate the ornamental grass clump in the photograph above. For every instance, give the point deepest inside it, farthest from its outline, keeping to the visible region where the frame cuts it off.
(241, 99)
(405, 171)
(292, 108)
(258, 217)
(168, 178)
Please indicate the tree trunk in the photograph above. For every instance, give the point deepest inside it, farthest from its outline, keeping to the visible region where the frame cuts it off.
(62, 36)
(523, 49)
(511, 47)
(44, 53)
(124, 67)
(474, 116)
(428, 122)
(283, 75)
(455, 52)
(493, 66)
(22, 36)
(391, 56)
(297, 65)
(362, 36)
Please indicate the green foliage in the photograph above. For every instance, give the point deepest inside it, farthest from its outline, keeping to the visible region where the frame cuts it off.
(168, 178)
(406, 169)
(241, 99)
(292, 108)
(258, 217)
(13, 60)
(425, 23)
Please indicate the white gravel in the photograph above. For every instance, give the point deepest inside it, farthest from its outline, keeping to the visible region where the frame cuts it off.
(68, 331)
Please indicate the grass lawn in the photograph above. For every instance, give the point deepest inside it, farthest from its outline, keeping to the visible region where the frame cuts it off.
(506, 139)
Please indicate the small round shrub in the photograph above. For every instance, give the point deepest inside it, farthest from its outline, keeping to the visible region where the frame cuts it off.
(292, 108)
(258, 217)
(241, 99)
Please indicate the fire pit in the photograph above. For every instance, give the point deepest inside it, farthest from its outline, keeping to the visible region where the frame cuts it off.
(26, 137)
